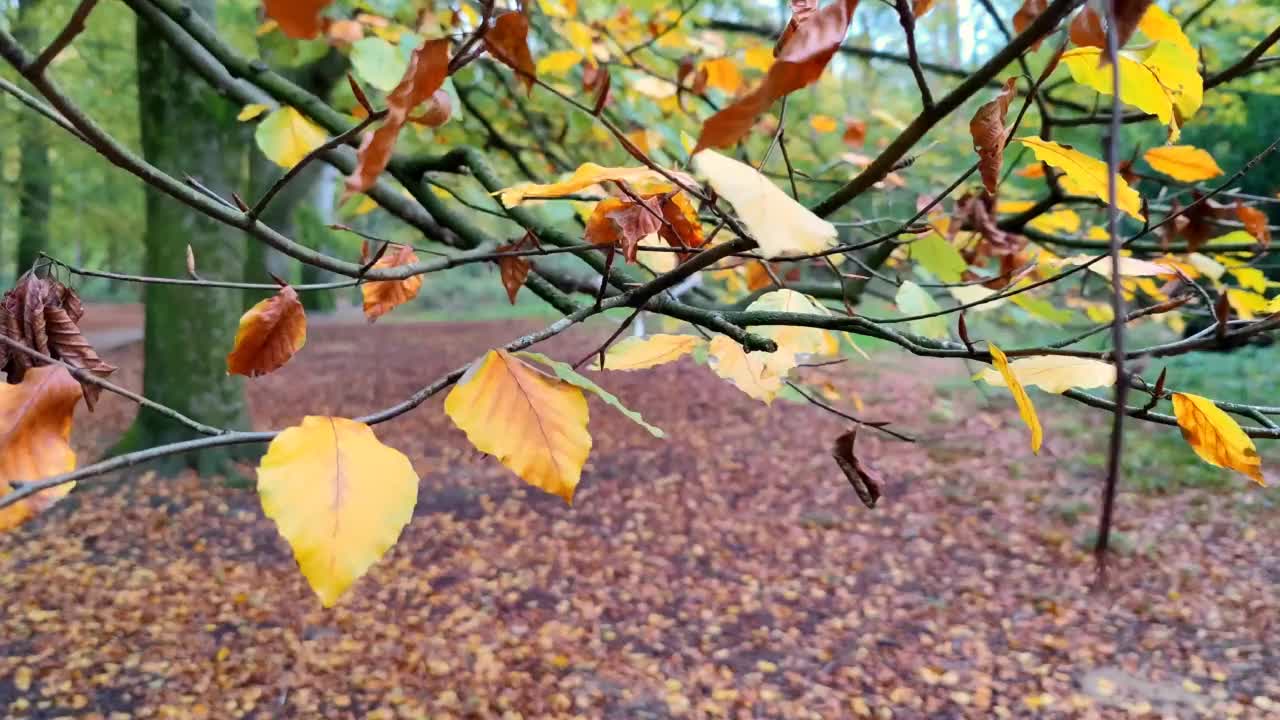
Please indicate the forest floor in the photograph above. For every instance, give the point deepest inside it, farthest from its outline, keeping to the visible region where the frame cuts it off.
(728, 571)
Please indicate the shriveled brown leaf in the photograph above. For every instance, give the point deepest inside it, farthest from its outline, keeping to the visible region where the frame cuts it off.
(866, 481)
(1027, 14)
(1087, 29)
(988, 131)
(428, 68)
(1255, 223)
(270, 333)
(69, 345)
(623, 223)
(381, 296)
(803, 51)
(508, 41)
(513, 269)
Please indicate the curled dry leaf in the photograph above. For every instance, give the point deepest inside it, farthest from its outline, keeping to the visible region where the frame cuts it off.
(1255, 223)
(639, 353)
(988, 132)
(297, 18)
(1215, 436)
(623, 223)
(865, 480)
(508, 41)
(426, 73)
(381, 296)
(542, 436)
(338, 496)
(1025, 408)
(35, 427)
(269, 335)
(802, 53)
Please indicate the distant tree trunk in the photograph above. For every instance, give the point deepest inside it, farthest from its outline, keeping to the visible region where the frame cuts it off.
(188, 128)
(35, 175)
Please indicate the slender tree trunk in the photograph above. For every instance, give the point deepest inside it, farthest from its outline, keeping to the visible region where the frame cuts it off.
(35, 175)
(187, 128)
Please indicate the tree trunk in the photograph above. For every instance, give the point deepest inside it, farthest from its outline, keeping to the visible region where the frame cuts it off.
(186, 128)
(35, 176)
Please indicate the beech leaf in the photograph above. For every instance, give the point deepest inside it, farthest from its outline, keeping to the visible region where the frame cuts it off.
(298, 19)
(747, 371)
(35, 429)
(866, 481)
(1183, 162)
(565, 372)
(988, 132)
(270, 333)
(1089, 174)
(640, 353)
(1025, 408)
(542, 436)
(381, 296)
(585, 176)
(508, 41)
(338, 496)
(1055, 373)
(286, 136)
(1215, 436)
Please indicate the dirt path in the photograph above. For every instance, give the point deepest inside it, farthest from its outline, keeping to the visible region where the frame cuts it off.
(728, 571)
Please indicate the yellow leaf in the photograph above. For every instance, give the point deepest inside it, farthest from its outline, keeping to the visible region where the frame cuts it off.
(758, 57)
(580, 36)
(1247, 304)
(585, 176)
(1025, 408)
(1158, 25)
(534, 424)
(1055, 373)
(1129, 267)
(722, 74)
(793, 341)
(747, 371)
(1183, 162)
(1089, 174)
(35, 427)
(779, 224)
(1066, 221)
(638, 353)
(1215, 437)
(558, 63)
(286, 137)
(338, 496)
(1012, 207)
(1161, 80)
(251, 111)
(823, 123)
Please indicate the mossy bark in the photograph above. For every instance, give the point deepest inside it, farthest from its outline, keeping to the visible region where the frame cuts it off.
(187, 128)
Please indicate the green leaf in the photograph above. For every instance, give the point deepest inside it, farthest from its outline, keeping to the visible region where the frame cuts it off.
(915, 300)
(378, 62)
(939, 257)
(566, 373)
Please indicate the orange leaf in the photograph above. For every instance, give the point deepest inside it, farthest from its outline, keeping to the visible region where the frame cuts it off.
(508, 41)
(920, 7)
(1255, 223)
(624, 223)
(514, 270)
(1027, 14)
(380, 296)
(270, 333)
(35, 425)
(988, 131)
(855, 133)
(297, 18)
(803, 51)
(1087, 30)
(1215, 436)
(428, 68)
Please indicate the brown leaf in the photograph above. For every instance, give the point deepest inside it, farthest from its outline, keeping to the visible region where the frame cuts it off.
(380, 296)
(1030, 10)
(70, 346)
(1087, 29)
(428, 68)
(508, 41)
(803, 51)
(35, 426)
(977, 213)
(269, 335)
(299, 19)
(988, 131)
(865, 480)
(624, 223)
(855, 133)
(1198, 224)
(1128, 14)
(1255, 223)
(920, 7)
(682, 228)
(514, 270)
(35, 292)
(436, 112)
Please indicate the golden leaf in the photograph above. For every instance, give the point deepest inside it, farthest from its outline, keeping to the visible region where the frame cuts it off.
(1183, 162)
(1161, 80)
(270, 333)
(585, 176)
(747, 371)
(35, 426)
(251, 111)
(823, 123)
(793, 341)
(1215, 437)
(338, 496)
(1089, 174)
(722, 74)
(1055, 373)
(559, 62)
(1025, 408)
(779, 224)
(380, 296)
(534, 424)
(639, 353)
(285, 137)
